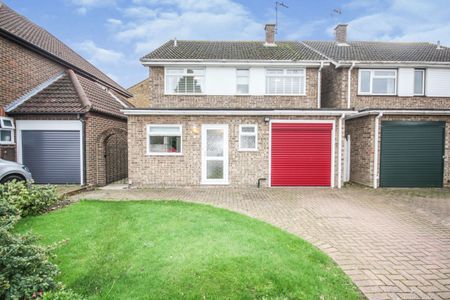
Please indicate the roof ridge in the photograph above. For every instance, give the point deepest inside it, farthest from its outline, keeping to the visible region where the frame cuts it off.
(85, 102)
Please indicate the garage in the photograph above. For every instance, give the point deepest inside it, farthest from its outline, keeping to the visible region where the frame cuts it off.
(301, 154)
(412, 154)
(51, 150)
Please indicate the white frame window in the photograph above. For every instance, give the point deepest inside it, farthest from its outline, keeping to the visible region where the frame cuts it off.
(165, 132)
(253, 134)
(242, 81)
(376, 74)
(282, 81)
(194, 80)
(422, 93)
(7, 125)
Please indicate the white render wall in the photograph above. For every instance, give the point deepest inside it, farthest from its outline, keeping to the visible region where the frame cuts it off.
(406, 82)
(437, 82)
(222, 80)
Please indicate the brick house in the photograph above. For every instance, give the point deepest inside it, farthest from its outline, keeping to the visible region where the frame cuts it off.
(400, 135)
(237, 114)
(59, 115)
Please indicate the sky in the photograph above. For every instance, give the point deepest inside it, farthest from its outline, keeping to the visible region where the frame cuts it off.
(114, 34)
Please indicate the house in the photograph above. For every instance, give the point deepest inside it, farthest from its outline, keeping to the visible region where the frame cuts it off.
(400, 136)
(237, 113)
(60, 115)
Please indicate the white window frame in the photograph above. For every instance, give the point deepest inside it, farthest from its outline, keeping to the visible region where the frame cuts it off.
(248, 77)
(179, 126)
(423, 82)
(285, 75)
(255, 134)
(4, 127)
(395, 77)
(166, 92)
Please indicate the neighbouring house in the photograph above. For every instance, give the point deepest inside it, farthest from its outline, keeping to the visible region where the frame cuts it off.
(140, 92)
(60, 115)
(236, 113)
(400, 136)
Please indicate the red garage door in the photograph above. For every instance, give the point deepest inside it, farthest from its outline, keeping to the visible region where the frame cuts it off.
(301, 154)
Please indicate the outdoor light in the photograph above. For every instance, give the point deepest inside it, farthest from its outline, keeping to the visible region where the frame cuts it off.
(266, 119)
(195, 129)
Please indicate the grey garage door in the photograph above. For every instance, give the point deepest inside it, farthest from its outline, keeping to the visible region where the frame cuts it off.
(53, 156)
(412, 154)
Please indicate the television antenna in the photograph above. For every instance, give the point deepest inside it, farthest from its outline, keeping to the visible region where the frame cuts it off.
(278, 4)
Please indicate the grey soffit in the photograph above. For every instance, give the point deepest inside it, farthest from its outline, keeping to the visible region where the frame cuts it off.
(57, 160)
(366, 51)
(233, 50)
(17, 26)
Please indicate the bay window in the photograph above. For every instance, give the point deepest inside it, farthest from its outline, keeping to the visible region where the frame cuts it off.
(6, 131)
(377, 82)
(164, 139)
(285, 81)
(184, 80)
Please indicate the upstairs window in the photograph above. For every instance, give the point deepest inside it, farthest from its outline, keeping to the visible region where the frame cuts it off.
(184, 80)
(285, 81)
(164, 139)
(377, 82)
(242, 81)
(248, 137)
(419, 82)
(6, 131)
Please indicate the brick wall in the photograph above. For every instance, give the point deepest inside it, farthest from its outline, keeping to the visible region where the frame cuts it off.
(22, 70)
(99, 127)
(159, 100)
(362, 132)
(141, 94)
(333, 87)
(164, 171)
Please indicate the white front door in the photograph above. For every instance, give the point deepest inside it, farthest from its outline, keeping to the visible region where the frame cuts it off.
(215, 154)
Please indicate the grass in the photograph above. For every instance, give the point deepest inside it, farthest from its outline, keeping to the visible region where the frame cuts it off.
(173, 250)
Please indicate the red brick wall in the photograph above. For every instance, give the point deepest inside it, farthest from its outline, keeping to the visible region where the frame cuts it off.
(21, 70)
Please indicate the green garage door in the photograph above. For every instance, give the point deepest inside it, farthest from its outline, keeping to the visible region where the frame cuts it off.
(412, 154)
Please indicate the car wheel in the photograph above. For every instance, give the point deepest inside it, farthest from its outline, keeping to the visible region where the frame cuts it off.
(11, 177)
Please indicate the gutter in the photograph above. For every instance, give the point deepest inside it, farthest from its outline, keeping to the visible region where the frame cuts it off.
(349, 85)
(399, 112)
(242, 112)
(375, 154)
(193, 62)
(319, 85)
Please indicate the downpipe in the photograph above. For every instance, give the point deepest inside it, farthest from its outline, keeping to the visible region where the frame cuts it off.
(375, 154)
(341, 119)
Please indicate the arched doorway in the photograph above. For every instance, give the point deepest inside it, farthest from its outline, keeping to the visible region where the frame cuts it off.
(112, 157)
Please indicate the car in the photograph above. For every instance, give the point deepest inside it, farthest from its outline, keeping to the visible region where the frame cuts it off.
(10, 171)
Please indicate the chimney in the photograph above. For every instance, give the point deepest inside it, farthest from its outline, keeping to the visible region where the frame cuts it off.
(270, 34)
(341, 33)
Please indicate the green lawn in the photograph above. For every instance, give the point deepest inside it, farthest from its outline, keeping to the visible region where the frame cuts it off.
(172, 250)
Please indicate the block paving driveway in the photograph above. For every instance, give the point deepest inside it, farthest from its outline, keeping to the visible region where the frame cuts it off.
(394, 244)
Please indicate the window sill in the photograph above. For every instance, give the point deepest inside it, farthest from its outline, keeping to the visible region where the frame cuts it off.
(248, 150)
(214, 183)
(378, 95)
(164, 154)
(7, 144)
(184, 94)
(286, 95)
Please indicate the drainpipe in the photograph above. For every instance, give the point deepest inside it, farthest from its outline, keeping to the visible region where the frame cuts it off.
(319, 85)
(341, 119)
(83, 132)
(375, 154)
(349, 87)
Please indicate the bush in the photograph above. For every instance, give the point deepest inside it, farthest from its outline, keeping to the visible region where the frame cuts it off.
(25, 269)
(62, 294)
(29, 200)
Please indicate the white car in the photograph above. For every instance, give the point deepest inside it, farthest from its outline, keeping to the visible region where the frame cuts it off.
(10, 171)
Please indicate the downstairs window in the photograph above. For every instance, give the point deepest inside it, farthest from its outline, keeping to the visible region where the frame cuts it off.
(164, 139)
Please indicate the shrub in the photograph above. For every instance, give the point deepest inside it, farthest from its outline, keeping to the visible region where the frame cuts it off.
(25, 269)
(30, 200)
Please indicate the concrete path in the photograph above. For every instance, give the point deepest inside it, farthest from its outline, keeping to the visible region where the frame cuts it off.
(394, 244)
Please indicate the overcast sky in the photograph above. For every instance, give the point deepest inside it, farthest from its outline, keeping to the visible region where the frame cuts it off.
(114, 34)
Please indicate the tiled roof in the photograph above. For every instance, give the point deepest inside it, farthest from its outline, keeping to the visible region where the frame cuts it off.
(382, 51)
(61, 97)
(233, 50)
(20, 27)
